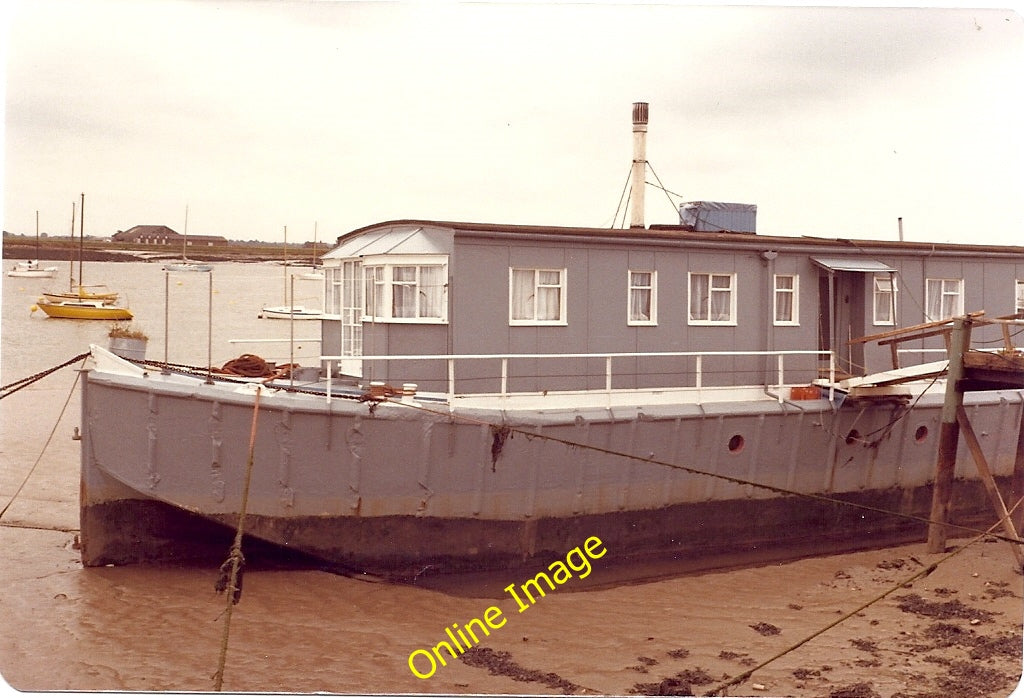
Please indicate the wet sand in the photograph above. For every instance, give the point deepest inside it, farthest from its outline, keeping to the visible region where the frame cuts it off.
(956, 632)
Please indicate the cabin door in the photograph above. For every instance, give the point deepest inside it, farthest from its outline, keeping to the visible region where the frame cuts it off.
(841, 300)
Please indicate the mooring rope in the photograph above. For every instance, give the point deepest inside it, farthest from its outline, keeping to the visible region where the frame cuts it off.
(49, 438)
(505, 431)
(231, 571)
(740, 678)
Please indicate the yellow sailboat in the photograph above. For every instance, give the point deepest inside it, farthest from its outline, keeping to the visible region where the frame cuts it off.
(84, 302)
(83, 310)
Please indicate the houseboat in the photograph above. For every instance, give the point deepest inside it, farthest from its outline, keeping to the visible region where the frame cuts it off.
(491, 395)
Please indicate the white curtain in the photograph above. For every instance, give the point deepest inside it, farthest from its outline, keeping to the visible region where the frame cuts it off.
(403, 292)
(784, 298)
(640, 296)
(721, 297)
(522, 294)
(699, 296)
(431, 291)
(549, 295)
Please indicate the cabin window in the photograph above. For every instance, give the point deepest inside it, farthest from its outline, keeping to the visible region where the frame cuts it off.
(885, 300)
(643, 307)
(787, 299)
(405, 293)
(537, 297)
(712, 299)
(944, 298)
(351, 307)
(1019, 307)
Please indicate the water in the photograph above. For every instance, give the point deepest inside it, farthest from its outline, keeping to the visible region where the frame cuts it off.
(159, 628)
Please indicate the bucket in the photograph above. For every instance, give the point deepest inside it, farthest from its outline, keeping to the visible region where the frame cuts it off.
(128, 348)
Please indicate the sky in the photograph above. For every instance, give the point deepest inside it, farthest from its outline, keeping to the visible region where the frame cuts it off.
(328, 116)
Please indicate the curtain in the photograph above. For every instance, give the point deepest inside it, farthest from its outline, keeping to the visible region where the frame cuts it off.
(784, 292)
(640, 296)
(431, 291)
(522, 294)
(403, 292)
(721, 297)
(699, 296)
(549, 295)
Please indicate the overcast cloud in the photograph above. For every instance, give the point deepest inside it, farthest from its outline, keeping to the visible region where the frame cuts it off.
(257, 115)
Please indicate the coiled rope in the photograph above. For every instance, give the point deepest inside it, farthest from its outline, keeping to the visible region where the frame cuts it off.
(231, 571)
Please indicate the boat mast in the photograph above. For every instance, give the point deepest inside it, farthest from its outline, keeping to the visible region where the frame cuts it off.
(81, 242)
(37, 236)
(286, 265)
(184, 238)
(71, 257)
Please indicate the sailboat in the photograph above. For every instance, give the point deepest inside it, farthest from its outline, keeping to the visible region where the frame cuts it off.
(317, 273)
(94, 292)
(31, 268)
(290, 311)
(79, 306)
(184, 264)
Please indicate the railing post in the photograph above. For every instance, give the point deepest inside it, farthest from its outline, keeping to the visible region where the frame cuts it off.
(608, 374)
(781, 359)
(504, 376)
(451, 379)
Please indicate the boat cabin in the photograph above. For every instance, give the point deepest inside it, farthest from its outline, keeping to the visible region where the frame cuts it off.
(543, 308)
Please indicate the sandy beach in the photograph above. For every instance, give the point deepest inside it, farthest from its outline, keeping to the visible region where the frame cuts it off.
(956, 632)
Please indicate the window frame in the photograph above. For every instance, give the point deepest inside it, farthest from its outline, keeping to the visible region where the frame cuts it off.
(795, 306)
(383, 289)
(958, 310)
(1018, 298)
(892, 293)
(562, 287)
(690, 320)
(652, 321)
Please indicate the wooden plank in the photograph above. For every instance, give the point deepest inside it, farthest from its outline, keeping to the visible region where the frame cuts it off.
(911, 328)
(988, 480)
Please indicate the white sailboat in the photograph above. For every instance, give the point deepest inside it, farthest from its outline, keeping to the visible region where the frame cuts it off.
(317, 273)
(185, 264)
(289, 311)
(31, 268)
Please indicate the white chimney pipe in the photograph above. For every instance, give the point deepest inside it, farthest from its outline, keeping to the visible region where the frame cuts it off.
(639, 164)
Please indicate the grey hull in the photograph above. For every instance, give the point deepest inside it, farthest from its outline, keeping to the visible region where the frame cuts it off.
(400, 491)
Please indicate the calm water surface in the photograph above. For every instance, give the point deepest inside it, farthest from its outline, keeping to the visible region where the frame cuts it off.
(159, 628)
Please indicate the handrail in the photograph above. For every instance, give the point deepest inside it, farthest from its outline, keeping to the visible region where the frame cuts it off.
(450, 359)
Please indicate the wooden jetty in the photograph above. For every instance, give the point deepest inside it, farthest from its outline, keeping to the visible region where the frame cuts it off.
(967, 370)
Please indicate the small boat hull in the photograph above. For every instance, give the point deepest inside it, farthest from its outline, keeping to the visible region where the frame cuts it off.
(297, 313)
(84, 310)
(32, 270)
(188, 266)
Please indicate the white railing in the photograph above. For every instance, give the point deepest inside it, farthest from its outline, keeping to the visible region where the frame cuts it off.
(698, 357)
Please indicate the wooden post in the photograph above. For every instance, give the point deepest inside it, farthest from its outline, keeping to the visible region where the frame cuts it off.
(1018, 472)
(990, 482)
(949, 438)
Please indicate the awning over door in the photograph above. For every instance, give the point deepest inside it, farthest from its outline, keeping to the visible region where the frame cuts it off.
(867, 266)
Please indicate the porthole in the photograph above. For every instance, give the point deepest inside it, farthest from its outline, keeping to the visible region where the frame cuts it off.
(736, 443)
(853, 437)
(921, 435)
